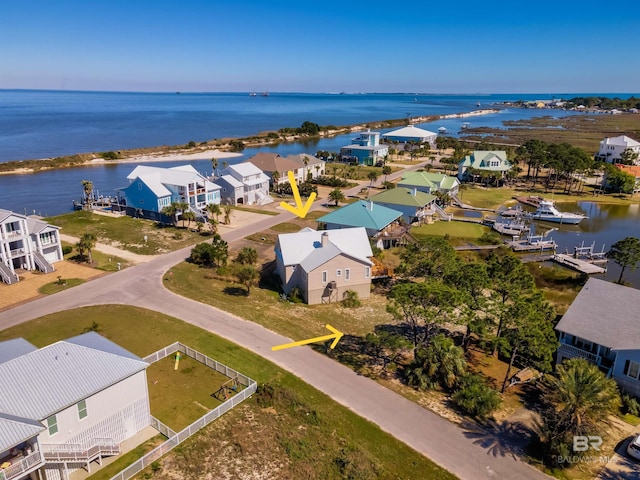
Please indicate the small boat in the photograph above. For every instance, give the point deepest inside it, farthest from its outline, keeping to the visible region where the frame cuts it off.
(442, 130)
(478, 104)
(264, 94)
(253, 94)
(465, 125)
(549, 213)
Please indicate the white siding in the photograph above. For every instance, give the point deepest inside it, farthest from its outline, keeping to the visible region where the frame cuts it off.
(118, 412)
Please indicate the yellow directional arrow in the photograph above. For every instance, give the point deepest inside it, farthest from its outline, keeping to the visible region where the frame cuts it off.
(335, 336)
(300, 209)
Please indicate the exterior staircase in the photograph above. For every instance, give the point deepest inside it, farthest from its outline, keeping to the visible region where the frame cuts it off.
(442, 214)
(7, 275)
(42, 263)
(80, 453)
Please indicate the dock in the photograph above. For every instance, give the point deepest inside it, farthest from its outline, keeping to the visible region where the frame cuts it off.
(531, 244)
(577, 264)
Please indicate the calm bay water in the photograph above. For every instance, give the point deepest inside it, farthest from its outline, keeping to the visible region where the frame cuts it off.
(42, 124)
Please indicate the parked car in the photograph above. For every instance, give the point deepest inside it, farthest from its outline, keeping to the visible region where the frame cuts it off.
(633, 449)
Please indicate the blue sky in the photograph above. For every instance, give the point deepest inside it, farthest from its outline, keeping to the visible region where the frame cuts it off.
(443, 46)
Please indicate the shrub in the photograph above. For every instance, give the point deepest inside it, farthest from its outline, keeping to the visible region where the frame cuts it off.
(351, 299)
(331, 181)
(475, 397)
(110, 155)
(295, 295)
(490, 238)
(67, 249)
(630, 405)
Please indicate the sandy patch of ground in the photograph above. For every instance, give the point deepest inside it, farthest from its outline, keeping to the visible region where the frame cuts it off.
(27, 288)
(172, 157)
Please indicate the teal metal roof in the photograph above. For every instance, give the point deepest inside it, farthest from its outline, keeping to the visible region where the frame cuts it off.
(362, 214)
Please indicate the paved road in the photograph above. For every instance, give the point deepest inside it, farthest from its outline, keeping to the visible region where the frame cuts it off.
(468, 453)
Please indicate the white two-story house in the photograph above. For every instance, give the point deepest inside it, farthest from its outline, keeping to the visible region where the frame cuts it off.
(602, 325)
(27, 243)
(67, 404)
(612, 148)
(244, 184)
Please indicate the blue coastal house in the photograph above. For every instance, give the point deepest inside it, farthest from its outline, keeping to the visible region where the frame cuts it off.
(366, 149)
(601, 326)
(380, 222)
(153, 188)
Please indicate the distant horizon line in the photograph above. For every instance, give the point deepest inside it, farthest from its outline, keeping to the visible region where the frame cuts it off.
(168, 92)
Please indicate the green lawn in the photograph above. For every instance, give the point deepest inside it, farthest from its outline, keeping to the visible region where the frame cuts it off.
(58, 286)
(457, 231)
(179, 397)
(127, 233)
(264, 306)
(296, 427)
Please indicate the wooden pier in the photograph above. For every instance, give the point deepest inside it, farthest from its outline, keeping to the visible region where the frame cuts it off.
(531, 244)
(577, 264)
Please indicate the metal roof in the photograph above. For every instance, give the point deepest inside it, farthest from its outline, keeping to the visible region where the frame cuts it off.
(14, 348)
(296, 247)
(404, 196)
(410, 131)
(362, 214)
(605, 313)
(14, 431)
(40, 383)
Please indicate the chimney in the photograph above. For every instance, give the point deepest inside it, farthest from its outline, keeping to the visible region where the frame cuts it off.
(324, 239)
(371, 205)
(415, 191)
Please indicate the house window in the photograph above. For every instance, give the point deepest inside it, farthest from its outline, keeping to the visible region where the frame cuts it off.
(52, 425)
(367, 272)
(324, 276)
(82, 409)
(631, 369)
(347, 274)
(339, 272)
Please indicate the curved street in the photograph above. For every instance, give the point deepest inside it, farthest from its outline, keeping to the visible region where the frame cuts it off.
(469, 453)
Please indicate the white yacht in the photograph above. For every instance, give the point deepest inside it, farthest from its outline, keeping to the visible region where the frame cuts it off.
(549, 213)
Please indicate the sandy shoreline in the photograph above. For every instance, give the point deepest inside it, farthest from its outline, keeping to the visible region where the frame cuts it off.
(171, 157)
(220, 155)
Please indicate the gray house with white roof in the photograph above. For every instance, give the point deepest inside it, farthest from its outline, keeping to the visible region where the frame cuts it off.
(325, 264)
(67, 404)
(602, 325)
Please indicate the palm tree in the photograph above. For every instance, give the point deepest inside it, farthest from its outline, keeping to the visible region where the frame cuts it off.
(336, 195)
(275, 176)
(248, 276)
(171, 211)
(386, 170)
(183, 207)
(317, 166)
(227, 214)
(87, 187)
(581, 398)
(214, 210)
(86, 243)
(214, 164)
(372, 176)
(305, 162)
(441, 363)
(189, 216)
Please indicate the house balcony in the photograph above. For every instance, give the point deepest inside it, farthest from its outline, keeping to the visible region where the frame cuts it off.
(569, 351)
(19, 466)
(18, 252)
(14, 234)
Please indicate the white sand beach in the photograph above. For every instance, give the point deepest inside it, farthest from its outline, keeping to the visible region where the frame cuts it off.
(172, 157)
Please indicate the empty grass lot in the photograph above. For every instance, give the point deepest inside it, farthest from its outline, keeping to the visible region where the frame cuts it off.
(127, 233)
(296, 432)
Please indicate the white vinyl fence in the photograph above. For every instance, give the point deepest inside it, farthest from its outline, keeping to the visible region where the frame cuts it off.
(175, 439)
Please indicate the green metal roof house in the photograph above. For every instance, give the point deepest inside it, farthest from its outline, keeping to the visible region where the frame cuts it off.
(413, 204)
(490, 161)
(428, 182)
(379, 221)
